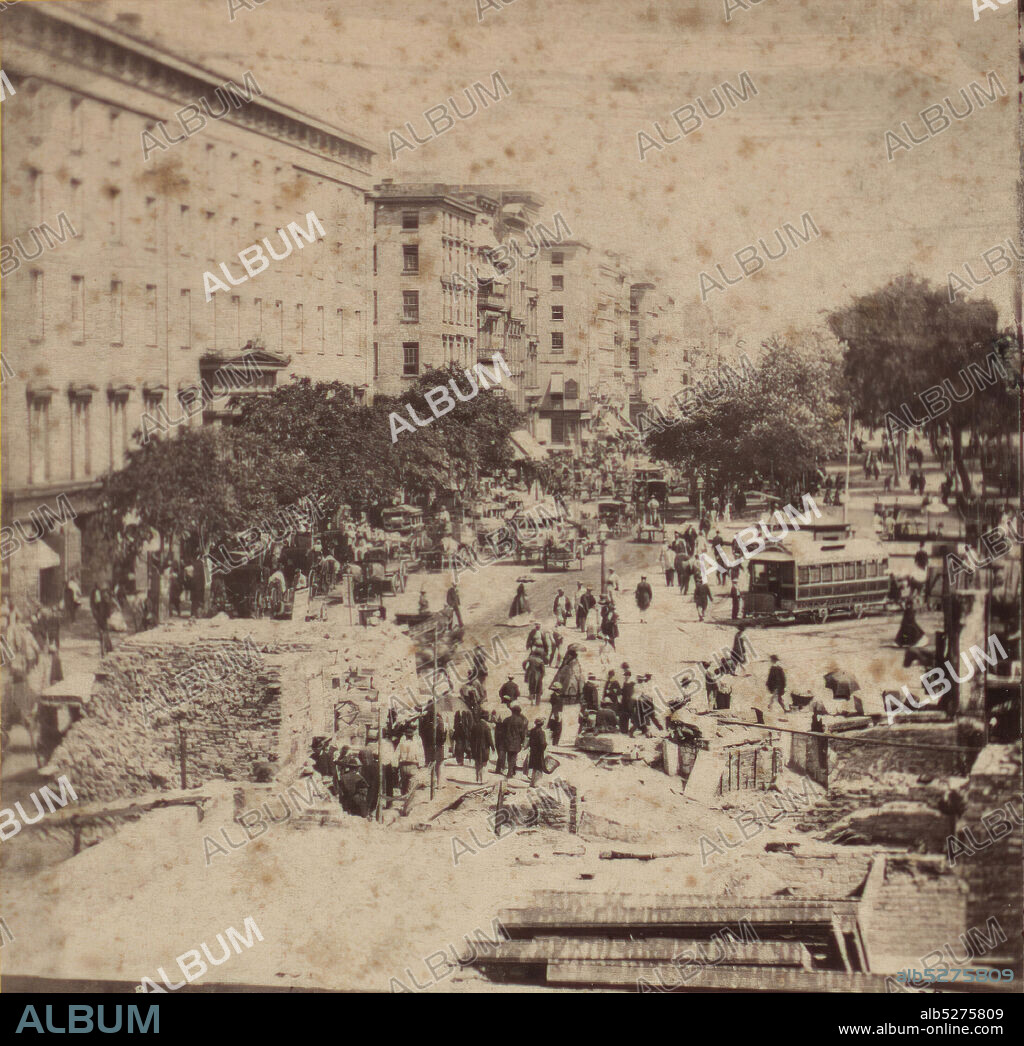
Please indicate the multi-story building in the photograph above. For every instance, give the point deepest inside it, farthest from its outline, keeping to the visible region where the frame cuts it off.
(114, 321)
(424, 290)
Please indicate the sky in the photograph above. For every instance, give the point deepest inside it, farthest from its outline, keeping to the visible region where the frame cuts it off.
(586, 76)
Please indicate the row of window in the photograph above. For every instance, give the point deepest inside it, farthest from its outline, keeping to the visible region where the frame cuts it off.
(81, 411)
(189, 237)
(842, 572)
(264, 319)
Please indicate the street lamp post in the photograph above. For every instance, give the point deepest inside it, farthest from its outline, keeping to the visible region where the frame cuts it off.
(602, 537)
(700, 497)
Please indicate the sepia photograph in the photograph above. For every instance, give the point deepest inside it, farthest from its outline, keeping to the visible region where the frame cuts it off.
(506, 496)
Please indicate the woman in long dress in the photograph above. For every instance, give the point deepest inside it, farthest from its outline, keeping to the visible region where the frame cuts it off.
(520, 605)
(593, 622)
(609, 624)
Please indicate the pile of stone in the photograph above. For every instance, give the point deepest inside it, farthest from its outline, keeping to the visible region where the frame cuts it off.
(247, 698)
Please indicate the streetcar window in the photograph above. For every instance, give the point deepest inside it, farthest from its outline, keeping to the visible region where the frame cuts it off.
(804, 575)
(861, 569)
(815, 575)
(873, 569)
(826, 572)
(851, 571)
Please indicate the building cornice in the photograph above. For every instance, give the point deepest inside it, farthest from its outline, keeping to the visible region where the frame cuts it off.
(75, 39)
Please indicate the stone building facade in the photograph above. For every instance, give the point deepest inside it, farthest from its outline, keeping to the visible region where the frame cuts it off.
(128, 175)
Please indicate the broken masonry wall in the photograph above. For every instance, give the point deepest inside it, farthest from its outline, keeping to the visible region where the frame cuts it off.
(225, 701)
(992, 818)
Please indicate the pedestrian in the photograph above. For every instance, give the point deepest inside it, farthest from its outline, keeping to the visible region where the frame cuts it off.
(627, 701)
(742, 650)
(702, 597)
(644, 596)
(502, 718)
(578, 605)
(910, 632)
(921, 557)
(679, 563)
(734, 595)
(424, 605)
(587, 602)
(427, 732)
(72, 598)
(593, 621)
(520, 604)
(516, 727)
(454, 603)
(509, 690)
(611, 583)
(533, 674)
(590, 693)
(407, 760)
(461, 729)
(481, 743)
(612, 690)
(776, 684)
(533, 637)
(643, 710)
(538, 746)
(570, 677)
(609, 624)
(667, 562)
(561, 608)
(555, 719)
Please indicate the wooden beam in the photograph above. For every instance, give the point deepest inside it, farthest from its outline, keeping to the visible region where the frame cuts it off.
(665, 949)
(713, 978)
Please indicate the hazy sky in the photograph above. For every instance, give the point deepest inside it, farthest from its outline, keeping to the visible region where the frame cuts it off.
(586, 75)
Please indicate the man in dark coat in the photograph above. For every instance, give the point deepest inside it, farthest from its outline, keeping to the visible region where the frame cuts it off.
(644, 597)
(611, 690)
(538, 746)
(533, 673)
(734, 595)
(481, 741)
(453, 601)
(587, 600)
(776, 683)
(643, 710)
(461, 730)
(516, 727)
(683, 571)
(510, 690)
(627, 701)
(702, 597)
(590, 693)
(555, 721)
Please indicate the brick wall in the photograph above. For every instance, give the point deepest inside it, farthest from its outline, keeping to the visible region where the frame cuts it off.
(993, 873)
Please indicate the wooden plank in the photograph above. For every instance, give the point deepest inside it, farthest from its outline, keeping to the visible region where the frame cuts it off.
(714, 978)
(619, 915)
(667, 949)
(640, 899)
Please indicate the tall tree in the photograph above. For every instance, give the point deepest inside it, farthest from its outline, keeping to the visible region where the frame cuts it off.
(783, 423)
(906, 339)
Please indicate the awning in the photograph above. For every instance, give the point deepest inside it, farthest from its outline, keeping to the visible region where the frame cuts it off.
(557, 386)
(525, 447)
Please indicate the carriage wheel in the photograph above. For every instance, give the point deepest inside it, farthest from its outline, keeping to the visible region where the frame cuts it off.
(822, 615)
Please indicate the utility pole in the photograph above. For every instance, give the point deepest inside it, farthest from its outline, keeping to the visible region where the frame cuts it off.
(849, 437)
(433, 715)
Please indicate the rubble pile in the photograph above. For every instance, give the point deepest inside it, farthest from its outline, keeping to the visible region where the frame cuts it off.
(249, 697)
(128, 742)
